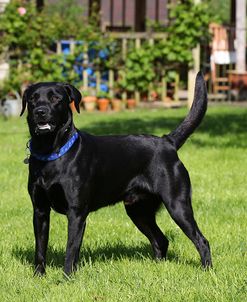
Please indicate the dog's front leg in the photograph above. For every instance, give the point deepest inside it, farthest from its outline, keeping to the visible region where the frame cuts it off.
(41, 221)
(76, 227)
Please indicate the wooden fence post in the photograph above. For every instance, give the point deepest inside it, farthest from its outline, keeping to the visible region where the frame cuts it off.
(59, 48)
(192, 74)
(163, 88)
(124, 48)
(111, 83)
(124, 55)
(150, 86)
(98, 80)
(85, 65)
(137, 93)
(72, 46)
(176, 87)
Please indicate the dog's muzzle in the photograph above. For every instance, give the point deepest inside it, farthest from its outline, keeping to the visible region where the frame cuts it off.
(42, 121)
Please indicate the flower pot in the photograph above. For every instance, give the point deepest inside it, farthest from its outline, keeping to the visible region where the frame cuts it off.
(89, 102)
(11, 106)
(116, 105)
(167, 99)
(238, 82)
(130, 103)
(103, 104)
(154, 95)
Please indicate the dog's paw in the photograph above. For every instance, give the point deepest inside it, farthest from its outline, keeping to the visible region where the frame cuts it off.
(39, 271)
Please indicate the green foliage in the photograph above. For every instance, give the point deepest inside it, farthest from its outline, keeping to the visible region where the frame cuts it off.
(103, 95)
(220, 9)
(14, 27)
(188, 27)
(139, 70)
(67, 17)
(31, 36)
(23, 33)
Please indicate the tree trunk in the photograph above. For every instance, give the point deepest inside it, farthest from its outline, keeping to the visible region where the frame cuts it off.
(40, 4)
(240, 35)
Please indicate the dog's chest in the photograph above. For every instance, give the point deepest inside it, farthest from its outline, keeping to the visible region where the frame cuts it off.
(54, 185)
(57, 198)
(44, 177)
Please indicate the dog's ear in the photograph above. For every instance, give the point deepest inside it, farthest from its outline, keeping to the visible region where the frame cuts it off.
(24, 101)
(74, 95)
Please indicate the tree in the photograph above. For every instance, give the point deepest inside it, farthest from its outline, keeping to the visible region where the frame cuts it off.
(240, 35)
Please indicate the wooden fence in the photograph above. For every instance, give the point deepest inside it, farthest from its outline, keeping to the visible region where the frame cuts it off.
(125, 40)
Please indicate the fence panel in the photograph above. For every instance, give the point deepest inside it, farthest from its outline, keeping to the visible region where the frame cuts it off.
(125, 41)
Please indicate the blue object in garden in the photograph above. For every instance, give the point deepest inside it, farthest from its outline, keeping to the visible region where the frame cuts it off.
(89, 71)
(103, 54)
(104, 87)
(65, 45)
(92, 54)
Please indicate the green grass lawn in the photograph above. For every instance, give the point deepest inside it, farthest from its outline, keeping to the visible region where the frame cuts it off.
(116, 260)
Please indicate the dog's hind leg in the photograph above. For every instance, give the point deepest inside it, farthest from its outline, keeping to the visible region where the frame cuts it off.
(142, 213)
(177, 199)
(181, 212)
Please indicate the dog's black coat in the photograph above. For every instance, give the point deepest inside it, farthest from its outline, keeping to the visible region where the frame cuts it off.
(142, 170)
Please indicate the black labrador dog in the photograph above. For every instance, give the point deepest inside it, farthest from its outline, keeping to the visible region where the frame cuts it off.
(75, 173)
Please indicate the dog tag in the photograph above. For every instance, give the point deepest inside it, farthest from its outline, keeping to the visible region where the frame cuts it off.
(26, 161)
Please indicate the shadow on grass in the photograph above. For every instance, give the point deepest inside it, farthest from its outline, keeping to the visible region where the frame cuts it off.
(55, 257)
(104, 253)
(227, 126)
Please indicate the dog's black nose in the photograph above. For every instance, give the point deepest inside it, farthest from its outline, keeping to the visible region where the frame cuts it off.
(40, 111)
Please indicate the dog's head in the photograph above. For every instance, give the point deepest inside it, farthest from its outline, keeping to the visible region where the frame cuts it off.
(48, 106)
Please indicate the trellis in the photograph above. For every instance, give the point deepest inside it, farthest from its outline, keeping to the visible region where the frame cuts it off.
(126, 39)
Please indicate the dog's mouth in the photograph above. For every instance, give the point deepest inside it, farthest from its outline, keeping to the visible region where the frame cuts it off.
(44, 127)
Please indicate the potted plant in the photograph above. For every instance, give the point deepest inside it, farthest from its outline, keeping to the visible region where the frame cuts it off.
(10, 96)
(103, 101)
(127, 88)
(89, 100)
(131, 101)
(11, 104)
(137, 75)
(116, 103)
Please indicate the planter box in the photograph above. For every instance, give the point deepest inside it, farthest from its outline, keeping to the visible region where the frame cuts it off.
(11, 108)
(238, 83)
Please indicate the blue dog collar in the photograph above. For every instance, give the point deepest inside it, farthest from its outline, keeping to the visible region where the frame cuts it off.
(54, 156)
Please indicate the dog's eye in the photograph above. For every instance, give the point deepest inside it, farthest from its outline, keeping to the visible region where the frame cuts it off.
(32, 98)
(55, 98)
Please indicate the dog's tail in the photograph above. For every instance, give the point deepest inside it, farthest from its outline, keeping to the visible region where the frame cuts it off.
(194, 117)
